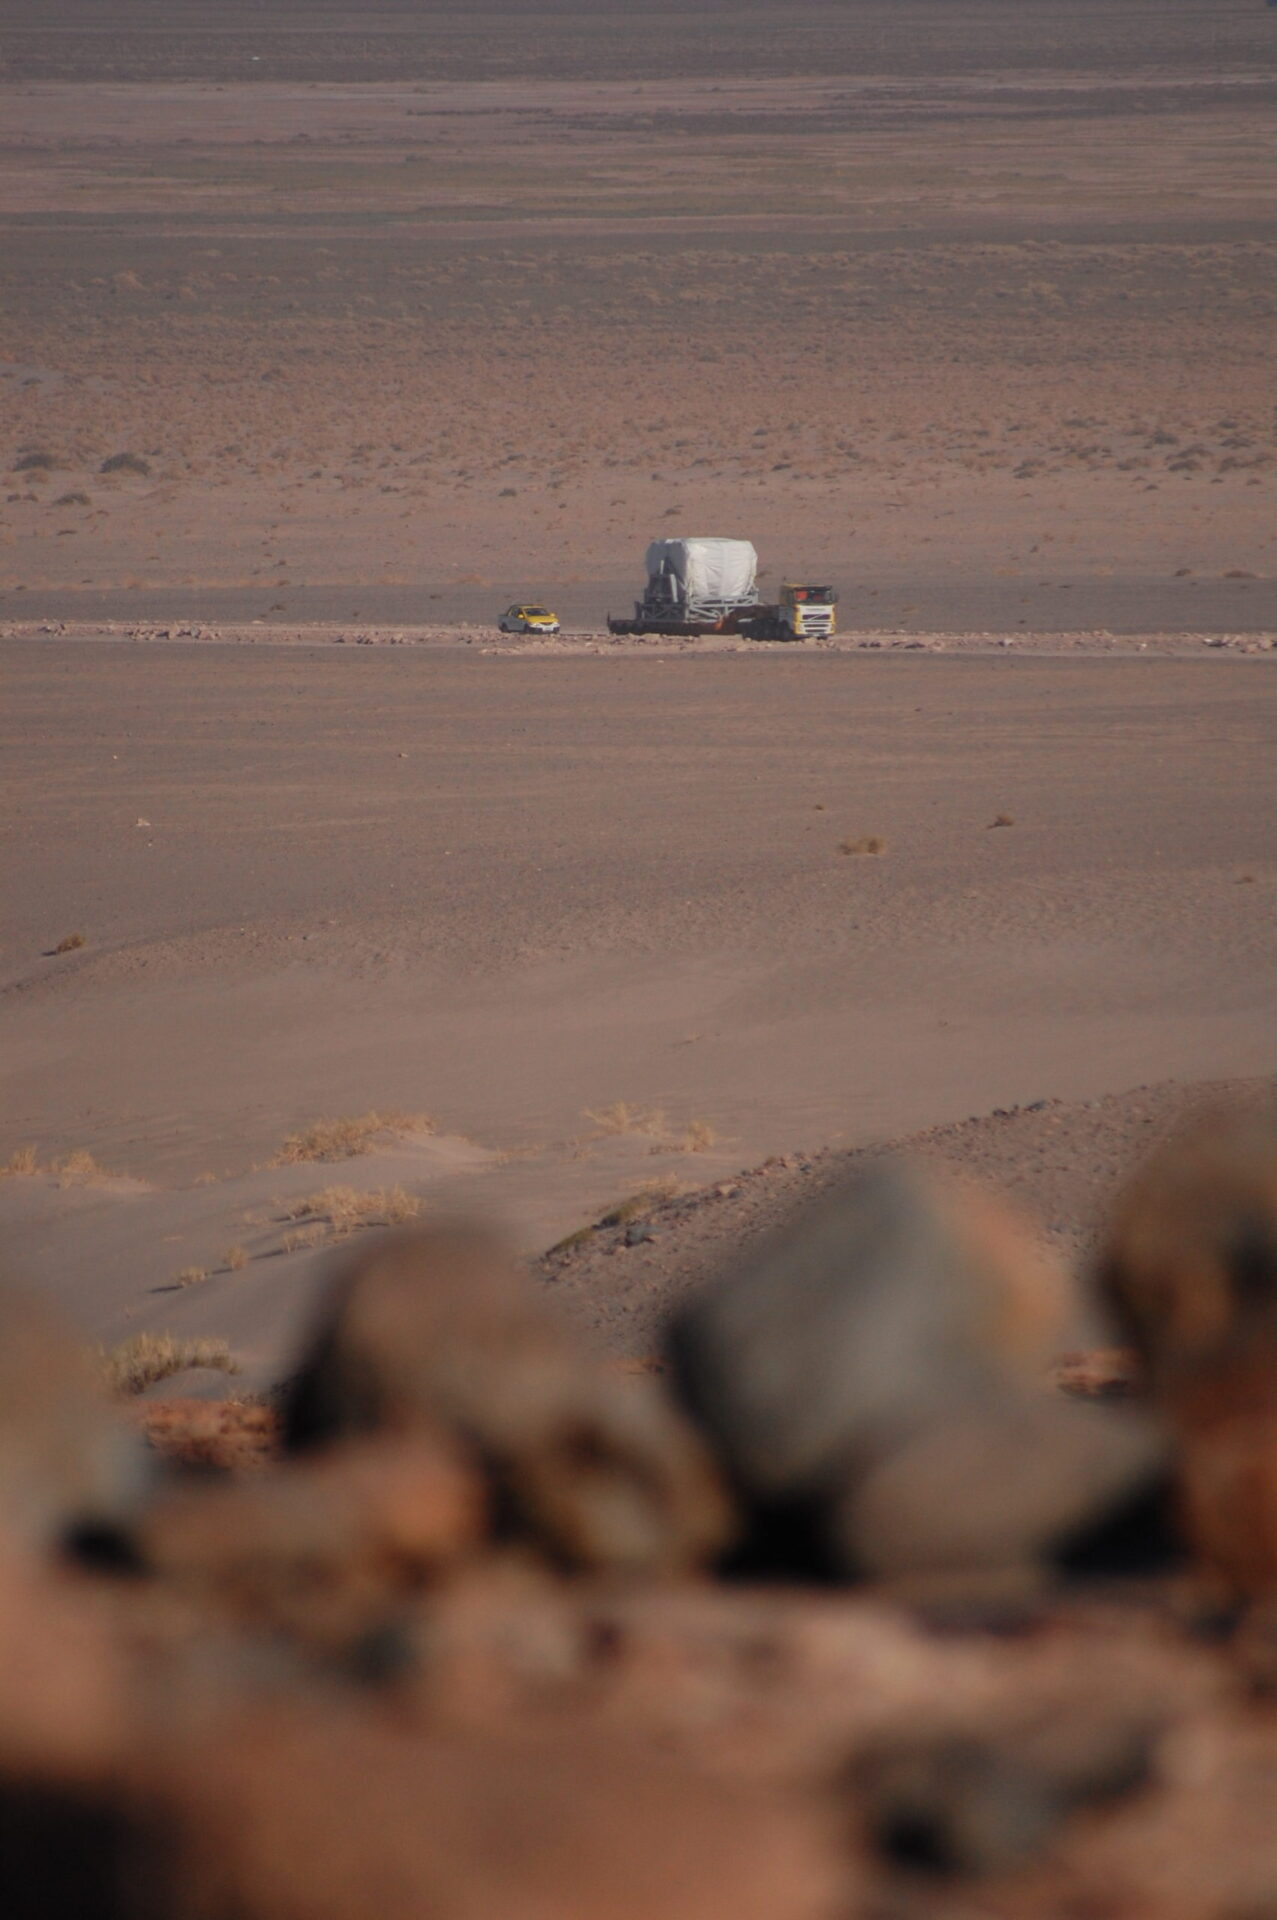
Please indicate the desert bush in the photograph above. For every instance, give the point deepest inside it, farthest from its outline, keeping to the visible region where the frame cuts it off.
(79, 1169)
(69, 943)
(343, 1209)
(869, 843)
(137, 1363)
(570, 1241)
(72, 500)
(649, 1195)
(345, 1139)
(125, 463)
(303, 1239)
(621, 1118)
(34, 462)
(23, 1159)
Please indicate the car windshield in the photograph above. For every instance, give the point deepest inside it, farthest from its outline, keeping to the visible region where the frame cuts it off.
(536, 613)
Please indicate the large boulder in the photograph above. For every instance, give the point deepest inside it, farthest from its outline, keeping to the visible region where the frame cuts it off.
(439, 1330)
(1189, 1267)
(874, 1380)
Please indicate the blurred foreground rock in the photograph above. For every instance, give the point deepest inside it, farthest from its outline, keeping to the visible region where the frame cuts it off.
(322, 1550)
(465, 1633)
(71, 1473)
(874, 1380)
(1190, 1269)
(296, 1815)
(439, 1331)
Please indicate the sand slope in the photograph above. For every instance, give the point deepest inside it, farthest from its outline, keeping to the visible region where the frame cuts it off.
(593, 916)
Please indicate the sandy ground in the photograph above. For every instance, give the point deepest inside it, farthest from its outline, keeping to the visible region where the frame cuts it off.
(511, 893)
(396, 316)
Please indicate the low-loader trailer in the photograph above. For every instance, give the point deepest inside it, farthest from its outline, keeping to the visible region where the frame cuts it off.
(702, 585)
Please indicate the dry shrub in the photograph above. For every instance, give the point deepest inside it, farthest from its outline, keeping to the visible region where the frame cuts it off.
(1001, 820)
(572, 1240)
(344, 1209)
(303, 1239)
(35, 462)
(649, 1195)
(346, 1139)
(651, 1123)
(22, 1160)
(79, 1169)
(139, 1362)
(235, 1259)
(868, 843)
(69, 942)
(621, 1118)
(190, 1276)
(125, 463)
(73, 500)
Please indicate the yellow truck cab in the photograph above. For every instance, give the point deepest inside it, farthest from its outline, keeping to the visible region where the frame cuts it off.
(807, 612)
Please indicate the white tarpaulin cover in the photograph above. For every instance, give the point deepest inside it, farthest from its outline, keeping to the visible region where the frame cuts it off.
(704, 569)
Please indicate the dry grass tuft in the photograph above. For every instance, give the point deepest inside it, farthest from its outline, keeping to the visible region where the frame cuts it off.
(621, 1118)
(79, 1169)
(303, 1239)
(346, 1139)
(75, 1169)
(190, 1276)
(73, 500)
(869, 843)
(649, 1195)
(69, 943)
(342, 1210)
(572, 1240)
(235, 1259)
(1001, 820)
(139, 1362)
(651, 1123)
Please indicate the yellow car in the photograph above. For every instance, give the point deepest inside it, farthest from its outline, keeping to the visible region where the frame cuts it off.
(529, 620)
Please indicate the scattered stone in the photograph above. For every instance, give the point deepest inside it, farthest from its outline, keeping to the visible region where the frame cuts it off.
(225, 1436)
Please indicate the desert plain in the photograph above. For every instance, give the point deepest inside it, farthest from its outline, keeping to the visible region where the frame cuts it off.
(327, 328)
